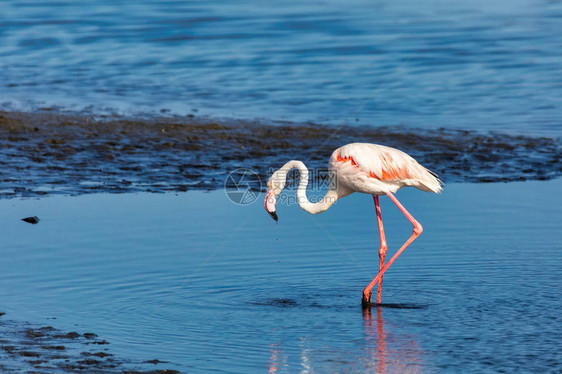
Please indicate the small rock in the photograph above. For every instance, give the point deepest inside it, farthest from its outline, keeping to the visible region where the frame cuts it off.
(33, 220)
(155, 362)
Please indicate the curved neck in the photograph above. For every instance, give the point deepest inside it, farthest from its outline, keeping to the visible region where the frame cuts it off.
(313, 208)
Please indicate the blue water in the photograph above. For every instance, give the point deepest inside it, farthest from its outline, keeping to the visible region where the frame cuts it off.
(473, 65)
(210, 286)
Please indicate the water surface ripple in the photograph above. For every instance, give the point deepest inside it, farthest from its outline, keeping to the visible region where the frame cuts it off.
(470, 65)
(210, 286)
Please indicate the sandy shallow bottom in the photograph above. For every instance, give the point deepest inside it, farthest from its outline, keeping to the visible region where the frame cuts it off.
(206, 285)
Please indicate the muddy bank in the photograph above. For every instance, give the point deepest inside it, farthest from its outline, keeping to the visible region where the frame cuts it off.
(44, 349)
(48, 152)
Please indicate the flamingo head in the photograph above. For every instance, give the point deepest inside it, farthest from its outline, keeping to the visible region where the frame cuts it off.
(269, 204)
(274, 187)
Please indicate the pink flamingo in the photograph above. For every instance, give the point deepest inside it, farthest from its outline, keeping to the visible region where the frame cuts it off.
(361, 167)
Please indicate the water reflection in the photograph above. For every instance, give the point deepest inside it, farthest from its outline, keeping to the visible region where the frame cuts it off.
(387, 352)
(274, 364)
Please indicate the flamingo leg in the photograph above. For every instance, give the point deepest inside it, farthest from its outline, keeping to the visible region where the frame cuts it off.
(383, 248)
(417, 231)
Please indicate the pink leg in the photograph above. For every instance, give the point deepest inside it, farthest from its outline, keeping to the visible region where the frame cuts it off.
(417, 231)
(383, 248)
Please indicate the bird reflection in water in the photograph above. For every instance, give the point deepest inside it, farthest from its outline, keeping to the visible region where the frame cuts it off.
(387, 353)
(383, 352)
(274, 359)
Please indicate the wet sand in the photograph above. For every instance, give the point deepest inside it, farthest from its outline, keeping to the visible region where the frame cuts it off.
(48, 152)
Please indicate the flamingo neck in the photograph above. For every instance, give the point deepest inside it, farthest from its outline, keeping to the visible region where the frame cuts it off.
(313, 208)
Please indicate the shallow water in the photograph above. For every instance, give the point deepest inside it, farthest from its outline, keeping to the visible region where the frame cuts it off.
(211, 286)
(471, 65)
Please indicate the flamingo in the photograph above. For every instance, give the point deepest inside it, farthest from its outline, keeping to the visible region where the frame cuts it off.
(361, 167)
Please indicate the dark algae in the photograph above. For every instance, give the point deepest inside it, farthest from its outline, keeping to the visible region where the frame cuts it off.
(26, 348)
(49, 153)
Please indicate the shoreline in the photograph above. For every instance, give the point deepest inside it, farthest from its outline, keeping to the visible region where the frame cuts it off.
(47, 152)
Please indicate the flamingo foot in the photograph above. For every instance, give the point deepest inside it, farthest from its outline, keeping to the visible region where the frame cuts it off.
(366, 301)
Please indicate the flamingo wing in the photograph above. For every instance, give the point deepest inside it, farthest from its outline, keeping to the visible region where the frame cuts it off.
(387, 164)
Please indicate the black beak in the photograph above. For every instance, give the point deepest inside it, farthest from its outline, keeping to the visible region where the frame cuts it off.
(273, 215)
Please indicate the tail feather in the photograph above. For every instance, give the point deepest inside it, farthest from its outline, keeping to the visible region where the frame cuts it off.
(430, 182)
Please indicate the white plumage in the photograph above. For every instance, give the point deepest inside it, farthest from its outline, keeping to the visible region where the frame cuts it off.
(378, 169)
